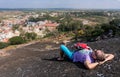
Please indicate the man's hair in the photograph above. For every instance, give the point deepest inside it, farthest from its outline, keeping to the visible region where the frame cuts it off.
(100, 56)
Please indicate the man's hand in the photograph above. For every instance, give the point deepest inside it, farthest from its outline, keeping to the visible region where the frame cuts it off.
(101, 62)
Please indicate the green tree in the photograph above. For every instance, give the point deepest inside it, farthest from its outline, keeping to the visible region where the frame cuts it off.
(16, 40)
(115, 22)
(30, 36)
(107, 27)
(15, 27)
(69, 25)
(3, 45)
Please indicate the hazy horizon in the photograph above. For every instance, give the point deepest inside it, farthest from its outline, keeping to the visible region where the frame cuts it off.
(78, 4)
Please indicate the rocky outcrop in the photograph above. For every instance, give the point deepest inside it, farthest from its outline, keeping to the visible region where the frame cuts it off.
(39, 60)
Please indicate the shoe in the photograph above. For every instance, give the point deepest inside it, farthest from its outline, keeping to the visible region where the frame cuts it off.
(60, 59)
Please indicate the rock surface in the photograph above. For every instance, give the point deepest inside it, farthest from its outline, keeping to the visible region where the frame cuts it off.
(39, 60)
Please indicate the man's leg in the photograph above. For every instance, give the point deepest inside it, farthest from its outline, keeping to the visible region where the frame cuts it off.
(66, 51)
(61, 55)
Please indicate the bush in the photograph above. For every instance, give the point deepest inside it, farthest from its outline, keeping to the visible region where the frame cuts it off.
(3, 45)
(107, 27)
(49, 35)
(97, 32)
(30, 36)
(16, 40)
(72, 25)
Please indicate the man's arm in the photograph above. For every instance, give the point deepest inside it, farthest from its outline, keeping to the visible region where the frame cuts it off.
(90, 65)
(107, 58)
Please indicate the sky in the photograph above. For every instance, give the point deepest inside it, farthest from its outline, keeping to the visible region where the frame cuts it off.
(79, 4)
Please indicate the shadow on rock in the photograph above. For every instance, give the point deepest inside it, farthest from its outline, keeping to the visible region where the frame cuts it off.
(78, 64)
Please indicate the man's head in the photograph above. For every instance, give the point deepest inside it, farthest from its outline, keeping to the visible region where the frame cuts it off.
(98, 55)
